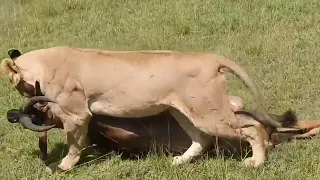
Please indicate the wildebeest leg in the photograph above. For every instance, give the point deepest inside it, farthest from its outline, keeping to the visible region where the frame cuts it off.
(200, 141)
(309, 134)
(43, 145)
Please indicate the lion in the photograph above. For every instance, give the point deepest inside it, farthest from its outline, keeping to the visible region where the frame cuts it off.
(191, 86)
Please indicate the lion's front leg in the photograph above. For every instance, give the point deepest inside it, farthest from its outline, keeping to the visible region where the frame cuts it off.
(77, 141)
(75, 124)
(72, 109)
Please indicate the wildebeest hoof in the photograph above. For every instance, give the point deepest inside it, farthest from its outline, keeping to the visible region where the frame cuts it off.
(53, 168)
(177, 160)
(251, 162)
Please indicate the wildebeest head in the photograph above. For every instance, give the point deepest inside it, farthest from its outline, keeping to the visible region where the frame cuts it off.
(29, 117)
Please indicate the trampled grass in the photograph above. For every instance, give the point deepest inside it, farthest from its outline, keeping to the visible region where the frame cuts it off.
(276, 41)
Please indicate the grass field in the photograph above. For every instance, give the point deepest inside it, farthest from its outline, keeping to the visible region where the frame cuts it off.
(276, 41)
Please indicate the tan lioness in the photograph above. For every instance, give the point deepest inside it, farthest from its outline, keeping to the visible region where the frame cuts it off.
(190, 85)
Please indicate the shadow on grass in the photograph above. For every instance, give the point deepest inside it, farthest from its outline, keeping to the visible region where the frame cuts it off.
(95, 155)
(57, 153)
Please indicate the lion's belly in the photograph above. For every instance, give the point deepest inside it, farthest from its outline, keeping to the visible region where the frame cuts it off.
(126, 110)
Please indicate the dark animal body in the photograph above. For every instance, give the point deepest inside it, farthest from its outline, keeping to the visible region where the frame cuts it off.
(139, 135)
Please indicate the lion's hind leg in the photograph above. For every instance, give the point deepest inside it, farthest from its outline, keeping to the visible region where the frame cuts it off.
(200, 141)
(255, 134)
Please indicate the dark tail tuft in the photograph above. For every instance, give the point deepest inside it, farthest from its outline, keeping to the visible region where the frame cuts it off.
(288, 119)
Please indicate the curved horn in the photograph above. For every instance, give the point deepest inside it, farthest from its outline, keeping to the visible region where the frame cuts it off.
(26, 108)
(13, 115)
(26, 122)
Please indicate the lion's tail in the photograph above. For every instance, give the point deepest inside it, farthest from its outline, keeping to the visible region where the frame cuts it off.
(287, 119)
(235, 69)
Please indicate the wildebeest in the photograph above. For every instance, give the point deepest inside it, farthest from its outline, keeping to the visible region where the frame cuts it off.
(191, 86)
(136, 135)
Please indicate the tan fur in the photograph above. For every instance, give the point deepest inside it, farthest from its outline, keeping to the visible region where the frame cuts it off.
(310, 129)
(236, 103)
(304, 129)
(9, 69)
(308, 124)
(190, 85)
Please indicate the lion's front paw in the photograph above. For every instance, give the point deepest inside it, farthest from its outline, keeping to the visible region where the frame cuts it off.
(250, 162)
(177, 160)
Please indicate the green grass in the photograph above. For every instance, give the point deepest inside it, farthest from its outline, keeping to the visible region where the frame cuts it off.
(276, 41)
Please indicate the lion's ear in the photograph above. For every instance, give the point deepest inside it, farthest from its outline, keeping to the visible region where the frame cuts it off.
(9, 69)
(14, 53)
